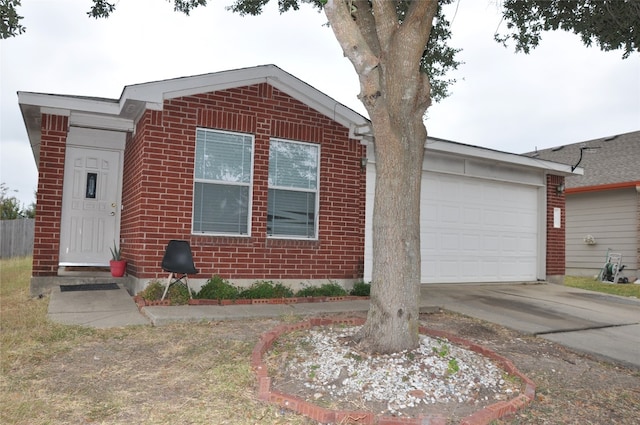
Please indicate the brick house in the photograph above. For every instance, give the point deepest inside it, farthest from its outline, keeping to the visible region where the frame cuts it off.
(267, 178)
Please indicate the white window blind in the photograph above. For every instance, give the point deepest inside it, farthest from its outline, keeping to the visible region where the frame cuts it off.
(222, 183)
(293, 189)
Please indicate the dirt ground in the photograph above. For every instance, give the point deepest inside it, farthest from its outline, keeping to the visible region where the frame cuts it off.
(200, 374)
(571, 388)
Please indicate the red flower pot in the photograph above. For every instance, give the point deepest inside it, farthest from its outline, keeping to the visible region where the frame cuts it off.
(118, 267)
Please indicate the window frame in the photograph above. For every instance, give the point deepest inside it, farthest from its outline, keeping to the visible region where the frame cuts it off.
(316, 212)
(248, 184)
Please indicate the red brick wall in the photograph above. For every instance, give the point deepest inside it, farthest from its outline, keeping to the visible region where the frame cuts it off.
(46, 244)
(158, 189)
(555, 236)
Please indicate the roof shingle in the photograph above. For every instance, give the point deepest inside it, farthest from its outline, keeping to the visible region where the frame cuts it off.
(616, 160)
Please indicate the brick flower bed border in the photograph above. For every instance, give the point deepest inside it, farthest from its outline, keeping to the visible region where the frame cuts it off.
(141, 302)
(324, 415)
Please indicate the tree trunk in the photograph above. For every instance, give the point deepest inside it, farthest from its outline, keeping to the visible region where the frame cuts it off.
(386, 55)
(392, 322)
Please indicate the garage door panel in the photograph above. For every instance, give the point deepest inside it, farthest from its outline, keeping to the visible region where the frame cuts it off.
(449, 242)
(449, 214)
(472, 216)
(470, 243)
(491, 244)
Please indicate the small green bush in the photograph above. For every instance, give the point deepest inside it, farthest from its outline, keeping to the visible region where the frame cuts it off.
(361, 289)
(218, 288)
(153, 291)
(178, 294)
(266, 289)
(330, 289)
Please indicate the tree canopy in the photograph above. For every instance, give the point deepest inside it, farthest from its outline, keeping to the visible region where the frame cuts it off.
(10, 207)
(611, 24)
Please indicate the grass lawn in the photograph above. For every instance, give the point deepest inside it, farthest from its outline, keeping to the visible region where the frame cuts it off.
(179, 374)
(589, 283)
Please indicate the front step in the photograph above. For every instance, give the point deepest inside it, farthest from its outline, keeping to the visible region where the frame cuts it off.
(42, 285)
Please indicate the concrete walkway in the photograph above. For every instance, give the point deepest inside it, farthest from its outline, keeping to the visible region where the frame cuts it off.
(605, 326)
(97, 309)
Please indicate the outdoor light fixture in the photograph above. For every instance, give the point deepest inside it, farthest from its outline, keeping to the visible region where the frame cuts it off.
(363, 163)
(560, 189)
(584, 149)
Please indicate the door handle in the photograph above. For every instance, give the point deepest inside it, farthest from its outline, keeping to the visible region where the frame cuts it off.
(112, 213)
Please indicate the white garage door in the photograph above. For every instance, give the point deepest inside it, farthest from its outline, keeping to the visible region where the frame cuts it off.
(476, 230)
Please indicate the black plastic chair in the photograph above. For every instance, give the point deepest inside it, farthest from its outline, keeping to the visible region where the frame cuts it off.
(178, 261)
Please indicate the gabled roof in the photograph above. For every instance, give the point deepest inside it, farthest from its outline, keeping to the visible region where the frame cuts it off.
(612, 161)
(121, 114)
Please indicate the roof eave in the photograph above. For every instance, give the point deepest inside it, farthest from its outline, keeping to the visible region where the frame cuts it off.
(506, 157)
(158, 91)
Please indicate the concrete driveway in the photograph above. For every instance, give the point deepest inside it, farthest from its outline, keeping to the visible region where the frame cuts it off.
(606, 326)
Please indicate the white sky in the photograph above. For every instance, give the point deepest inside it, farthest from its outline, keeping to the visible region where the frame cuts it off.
(561, 93)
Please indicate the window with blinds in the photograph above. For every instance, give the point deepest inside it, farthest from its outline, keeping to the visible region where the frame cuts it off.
(222, 182)
(293, 189)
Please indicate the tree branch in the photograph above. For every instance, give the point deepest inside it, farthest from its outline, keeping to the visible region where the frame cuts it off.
(350, 37)
(386, 21)
(419, 20)
(367, 25)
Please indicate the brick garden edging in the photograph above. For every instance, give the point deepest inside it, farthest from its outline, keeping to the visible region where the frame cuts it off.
(141, 302)
(323, 415)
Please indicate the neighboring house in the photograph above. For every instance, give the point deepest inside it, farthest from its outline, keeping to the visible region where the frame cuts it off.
(603, 205)
(267, 178)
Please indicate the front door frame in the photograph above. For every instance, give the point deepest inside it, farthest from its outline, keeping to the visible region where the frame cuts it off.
(98, 140)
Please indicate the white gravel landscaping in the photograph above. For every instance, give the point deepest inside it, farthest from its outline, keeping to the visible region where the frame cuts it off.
(329, 367)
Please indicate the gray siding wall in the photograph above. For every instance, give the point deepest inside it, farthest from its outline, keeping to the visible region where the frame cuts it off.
(612, 217)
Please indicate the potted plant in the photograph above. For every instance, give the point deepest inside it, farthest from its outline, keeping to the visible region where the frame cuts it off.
(117, 265)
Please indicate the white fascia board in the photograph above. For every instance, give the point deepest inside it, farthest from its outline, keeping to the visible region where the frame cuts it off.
(158, 91)
(493, 155)
(322, 103)
(101, 121)
(100, 106)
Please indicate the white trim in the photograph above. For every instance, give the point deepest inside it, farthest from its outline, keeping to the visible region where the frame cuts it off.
(484, 153)
(78, 119)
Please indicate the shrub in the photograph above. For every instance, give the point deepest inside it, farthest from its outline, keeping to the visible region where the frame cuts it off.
(361, 289)
(266, 289)
(178, 294)
(153, 291)
(330, 289)
(218, 288)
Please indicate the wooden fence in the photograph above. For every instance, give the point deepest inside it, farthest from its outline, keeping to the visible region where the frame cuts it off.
(16, 237)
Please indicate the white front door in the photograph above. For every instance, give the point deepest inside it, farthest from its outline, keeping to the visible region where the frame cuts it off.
(90, 222)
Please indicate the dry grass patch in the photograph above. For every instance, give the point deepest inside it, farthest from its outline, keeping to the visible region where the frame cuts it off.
(182, 374)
